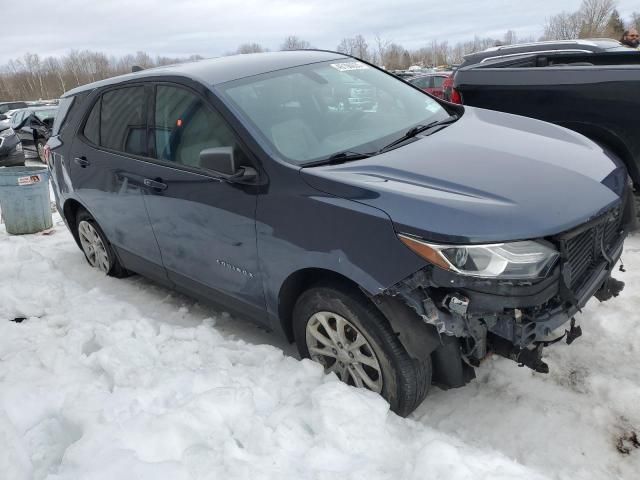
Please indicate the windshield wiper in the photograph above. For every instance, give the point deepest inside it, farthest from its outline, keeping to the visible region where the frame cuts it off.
(339, 157)
(419, 129)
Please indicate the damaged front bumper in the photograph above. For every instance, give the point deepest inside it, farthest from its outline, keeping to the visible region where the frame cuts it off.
(516, 319)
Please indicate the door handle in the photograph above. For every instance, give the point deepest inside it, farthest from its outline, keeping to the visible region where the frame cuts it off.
(155, 184)
(82, 161)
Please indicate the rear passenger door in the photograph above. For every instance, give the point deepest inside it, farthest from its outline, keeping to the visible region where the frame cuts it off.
(205, 226)
(107, 168)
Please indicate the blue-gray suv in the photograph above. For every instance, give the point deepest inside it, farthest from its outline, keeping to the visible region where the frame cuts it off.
(397, 241)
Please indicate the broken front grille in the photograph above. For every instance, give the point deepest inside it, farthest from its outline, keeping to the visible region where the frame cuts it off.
(583, 251)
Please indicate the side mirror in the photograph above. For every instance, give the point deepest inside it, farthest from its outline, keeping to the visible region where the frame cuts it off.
(219, 159)
(3, 117)
(222, 161)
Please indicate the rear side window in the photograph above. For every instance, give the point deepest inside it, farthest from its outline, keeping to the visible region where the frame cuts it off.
(422, 82)
(184, 126)
(123, 120)
(92, 126)
(438, 81)
(63, 110)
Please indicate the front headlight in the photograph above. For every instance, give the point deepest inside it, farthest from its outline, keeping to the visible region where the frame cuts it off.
(514, 260)
(7, 132)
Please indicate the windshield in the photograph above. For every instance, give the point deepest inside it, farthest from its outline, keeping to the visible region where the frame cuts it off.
(312, 112)
(46, 114)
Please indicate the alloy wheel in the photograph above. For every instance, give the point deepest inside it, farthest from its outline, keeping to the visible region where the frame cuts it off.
(93, 246)
(341, 348)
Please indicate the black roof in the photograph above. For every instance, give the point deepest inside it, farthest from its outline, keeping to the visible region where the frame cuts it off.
(224, 69)
(596, 45)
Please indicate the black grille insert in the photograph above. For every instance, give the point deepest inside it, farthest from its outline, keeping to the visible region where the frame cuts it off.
(583, 250)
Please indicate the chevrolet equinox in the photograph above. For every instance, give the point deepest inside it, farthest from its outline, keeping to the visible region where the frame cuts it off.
(396, 238)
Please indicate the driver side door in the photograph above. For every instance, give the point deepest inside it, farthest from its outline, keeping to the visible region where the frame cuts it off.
(204, 224)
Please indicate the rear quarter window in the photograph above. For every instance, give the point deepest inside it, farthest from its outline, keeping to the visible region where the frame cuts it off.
(64, 107)
(91, 129)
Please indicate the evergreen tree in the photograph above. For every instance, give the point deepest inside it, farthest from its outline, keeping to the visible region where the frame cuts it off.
(615, 25)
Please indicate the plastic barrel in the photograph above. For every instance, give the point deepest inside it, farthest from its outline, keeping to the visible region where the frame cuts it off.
(24, 199)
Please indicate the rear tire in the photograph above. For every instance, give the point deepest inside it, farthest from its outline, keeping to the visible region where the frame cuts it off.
(96, 247)
(322, 312)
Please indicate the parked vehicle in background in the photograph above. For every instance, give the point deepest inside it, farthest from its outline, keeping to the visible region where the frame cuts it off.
(398, 245)
(507, 52)
(6, 106)
(33, 126)
(5, 119)
(11, 153)
(595, 94)
(579, 46)
(432, 83)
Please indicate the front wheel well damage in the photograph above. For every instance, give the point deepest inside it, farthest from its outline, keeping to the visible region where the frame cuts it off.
(419, 338)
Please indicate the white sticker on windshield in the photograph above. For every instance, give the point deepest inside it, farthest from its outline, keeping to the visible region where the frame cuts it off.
(347, 66)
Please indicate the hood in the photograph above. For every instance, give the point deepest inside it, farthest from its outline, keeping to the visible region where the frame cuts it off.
(489, 177)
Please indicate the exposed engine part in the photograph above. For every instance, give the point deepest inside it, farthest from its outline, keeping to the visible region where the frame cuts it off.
(610, 288)
(413, 291)
(456, 304)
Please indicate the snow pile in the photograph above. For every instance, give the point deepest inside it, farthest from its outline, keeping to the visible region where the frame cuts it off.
(112, 378)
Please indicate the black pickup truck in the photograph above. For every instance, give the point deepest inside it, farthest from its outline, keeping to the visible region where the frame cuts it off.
(594, 93)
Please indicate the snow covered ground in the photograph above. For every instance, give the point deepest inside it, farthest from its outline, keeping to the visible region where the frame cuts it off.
(123, 379)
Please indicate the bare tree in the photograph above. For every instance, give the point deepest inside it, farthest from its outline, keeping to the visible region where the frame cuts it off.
(563, 26)
(251, 48)
(380, 49)
(294, 43)
(356, 46)
(595, 16)
(510, 38)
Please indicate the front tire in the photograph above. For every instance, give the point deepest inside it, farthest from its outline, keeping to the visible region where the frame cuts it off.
(96, 248)
(343, 331)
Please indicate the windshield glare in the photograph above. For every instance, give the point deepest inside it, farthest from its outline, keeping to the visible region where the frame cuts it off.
(311, 112)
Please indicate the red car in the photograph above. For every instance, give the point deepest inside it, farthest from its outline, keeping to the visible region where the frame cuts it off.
(450, 94)
(431, 82)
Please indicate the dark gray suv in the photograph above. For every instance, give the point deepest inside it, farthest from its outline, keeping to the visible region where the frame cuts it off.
(398, 242)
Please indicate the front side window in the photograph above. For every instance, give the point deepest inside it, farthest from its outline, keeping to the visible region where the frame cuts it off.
(310, 112)
(184, 126)
(123, 120)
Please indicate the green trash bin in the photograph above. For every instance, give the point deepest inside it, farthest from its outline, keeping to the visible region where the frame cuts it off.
(24, 199)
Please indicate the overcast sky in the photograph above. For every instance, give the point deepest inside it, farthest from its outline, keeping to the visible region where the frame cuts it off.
(214, 27)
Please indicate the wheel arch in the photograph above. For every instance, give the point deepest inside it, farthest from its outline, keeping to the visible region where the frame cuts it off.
(297, 283)
(70, 211)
